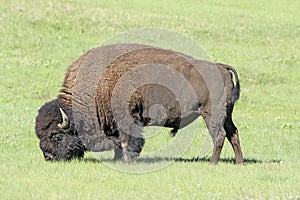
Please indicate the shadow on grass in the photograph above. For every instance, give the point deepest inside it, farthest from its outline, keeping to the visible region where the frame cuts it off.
(183, 160)
(227, 160)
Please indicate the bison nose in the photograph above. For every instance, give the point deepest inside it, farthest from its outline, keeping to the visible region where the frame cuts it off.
(48, 156)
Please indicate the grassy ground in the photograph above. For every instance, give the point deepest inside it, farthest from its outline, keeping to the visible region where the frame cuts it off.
(39, 39)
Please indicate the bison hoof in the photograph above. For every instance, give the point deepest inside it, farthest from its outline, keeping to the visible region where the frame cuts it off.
(118, 154)
(173, 132)
(129, 157)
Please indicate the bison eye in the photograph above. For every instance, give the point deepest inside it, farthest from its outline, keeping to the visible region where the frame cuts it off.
(55, 137)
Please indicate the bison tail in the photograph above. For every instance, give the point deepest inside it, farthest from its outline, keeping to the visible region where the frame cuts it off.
(236, 89)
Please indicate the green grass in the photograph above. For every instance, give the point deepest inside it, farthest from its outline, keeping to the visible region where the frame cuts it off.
(39, 39)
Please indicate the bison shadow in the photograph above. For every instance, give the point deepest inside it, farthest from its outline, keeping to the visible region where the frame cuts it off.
(183, 160)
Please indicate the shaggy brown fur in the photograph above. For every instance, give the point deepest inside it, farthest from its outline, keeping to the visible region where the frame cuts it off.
(98, 111)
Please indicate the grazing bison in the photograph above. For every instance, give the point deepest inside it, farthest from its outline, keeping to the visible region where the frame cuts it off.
(112, 91)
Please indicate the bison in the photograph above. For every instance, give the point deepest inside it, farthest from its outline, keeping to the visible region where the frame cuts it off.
(111, 92)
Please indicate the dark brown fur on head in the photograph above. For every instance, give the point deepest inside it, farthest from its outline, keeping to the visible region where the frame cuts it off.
(56, 141)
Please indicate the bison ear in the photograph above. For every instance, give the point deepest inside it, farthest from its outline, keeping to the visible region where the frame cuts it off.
(65, 122)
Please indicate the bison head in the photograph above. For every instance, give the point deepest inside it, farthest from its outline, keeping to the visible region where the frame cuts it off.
(55, 129)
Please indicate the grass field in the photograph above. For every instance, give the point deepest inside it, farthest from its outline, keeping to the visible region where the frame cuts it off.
(39, 39)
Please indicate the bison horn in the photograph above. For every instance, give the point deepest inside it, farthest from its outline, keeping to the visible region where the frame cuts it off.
(65, 122)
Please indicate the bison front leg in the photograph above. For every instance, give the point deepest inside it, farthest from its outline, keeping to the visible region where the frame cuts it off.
(118, 154)
(132, 143)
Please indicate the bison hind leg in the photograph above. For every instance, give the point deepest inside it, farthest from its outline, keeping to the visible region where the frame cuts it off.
(233, 137)
(214, 121)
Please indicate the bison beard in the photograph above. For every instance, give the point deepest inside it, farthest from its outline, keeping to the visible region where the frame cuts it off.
(82, 119)
(58, 139)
